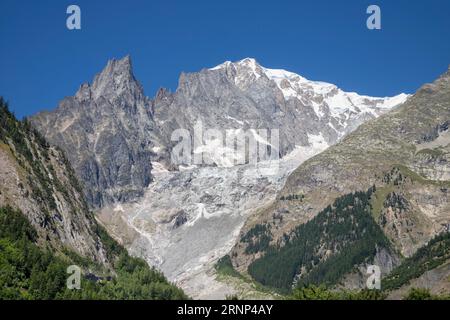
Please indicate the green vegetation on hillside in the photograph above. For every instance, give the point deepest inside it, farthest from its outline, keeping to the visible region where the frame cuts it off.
(29, 147)
(424, 294)
(225, 267)
(257, 238)
(324, 249)
(430, 256)
(246, 287)
(434, 153)
(30, 272)
(313, 292)
(322, 293)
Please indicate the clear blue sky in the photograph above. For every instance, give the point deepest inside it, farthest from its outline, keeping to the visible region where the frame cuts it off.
(42, 61)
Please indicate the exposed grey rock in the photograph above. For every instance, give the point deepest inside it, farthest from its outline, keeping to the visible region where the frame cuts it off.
(180, 219)
(384, 259)
(107, 131)
(246, 95)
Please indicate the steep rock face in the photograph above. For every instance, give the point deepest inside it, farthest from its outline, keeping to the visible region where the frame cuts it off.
(411, 202)
(106, 130)
(38, 179)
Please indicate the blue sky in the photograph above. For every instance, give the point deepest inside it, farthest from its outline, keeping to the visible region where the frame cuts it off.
(42, 61)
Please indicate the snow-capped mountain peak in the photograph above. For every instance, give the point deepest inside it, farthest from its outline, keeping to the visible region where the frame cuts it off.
(325, 98)
(313, 92)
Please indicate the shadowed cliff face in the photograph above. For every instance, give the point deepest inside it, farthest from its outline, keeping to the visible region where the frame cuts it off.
(112, 133)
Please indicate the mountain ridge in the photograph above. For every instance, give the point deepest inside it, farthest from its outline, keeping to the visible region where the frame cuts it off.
(113, 111)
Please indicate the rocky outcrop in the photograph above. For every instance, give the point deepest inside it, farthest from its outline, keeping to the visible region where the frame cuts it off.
(357, 279)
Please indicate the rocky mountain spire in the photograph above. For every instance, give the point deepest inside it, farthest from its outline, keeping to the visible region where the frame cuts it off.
(117, 78)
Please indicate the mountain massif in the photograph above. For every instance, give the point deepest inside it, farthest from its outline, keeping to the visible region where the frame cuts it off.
(182, 217)
(112, 133)
(359, 181)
